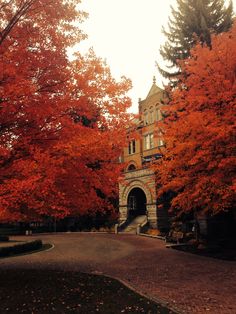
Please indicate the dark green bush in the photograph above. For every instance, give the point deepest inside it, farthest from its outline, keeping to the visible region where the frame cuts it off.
(21, 248)
(11, 231)
(4, 238)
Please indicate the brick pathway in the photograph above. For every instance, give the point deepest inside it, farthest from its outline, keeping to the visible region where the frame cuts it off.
(191, 283)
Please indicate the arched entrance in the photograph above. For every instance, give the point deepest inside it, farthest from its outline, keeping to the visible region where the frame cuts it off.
(136, 202)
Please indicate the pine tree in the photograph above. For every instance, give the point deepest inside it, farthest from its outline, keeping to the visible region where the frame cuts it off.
(192, 21)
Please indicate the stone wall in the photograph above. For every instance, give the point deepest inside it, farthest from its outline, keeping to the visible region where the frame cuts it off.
(145, 180)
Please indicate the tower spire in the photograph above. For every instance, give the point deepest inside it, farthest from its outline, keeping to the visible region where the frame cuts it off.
(154, 79)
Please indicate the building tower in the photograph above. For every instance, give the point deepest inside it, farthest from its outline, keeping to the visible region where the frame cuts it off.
(137, 188)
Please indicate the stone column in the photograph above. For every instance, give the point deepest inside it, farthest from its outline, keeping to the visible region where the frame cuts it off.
(123, 210)
(152, 215)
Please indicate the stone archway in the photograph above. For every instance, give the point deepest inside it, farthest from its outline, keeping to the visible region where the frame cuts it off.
(140, 183)
(126, 189)
(136, 202)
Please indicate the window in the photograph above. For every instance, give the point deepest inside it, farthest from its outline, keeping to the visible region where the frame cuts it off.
(145, 118)
(121, 159)
(148, 141)
(131, 167)
(151, 115)
(160, 139)
(132, 202)
(159, 115)
(132, 147)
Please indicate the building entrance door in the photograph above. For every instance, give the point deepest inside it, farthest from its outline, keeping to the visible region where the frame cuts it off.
(136, 202)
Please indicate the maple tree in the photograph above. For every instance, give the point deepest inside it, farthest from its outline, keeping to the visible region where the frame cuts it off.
(198, 166)
(61, 121)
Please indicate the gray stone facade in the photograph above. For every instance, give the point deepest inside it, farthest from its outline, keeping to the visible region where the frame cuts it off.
(145, 180)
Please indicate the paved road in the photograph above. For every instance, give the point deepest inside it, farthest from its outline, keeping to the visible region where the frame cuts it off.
(193, 284)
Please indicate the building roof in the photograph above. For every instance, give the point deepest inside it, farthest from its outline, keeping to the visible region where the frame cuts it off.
(154, 89)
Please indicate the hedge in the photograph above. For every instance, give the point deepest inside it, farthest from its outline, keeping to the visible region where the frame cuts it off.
(21, 248)
(11, 231)
(4, 238)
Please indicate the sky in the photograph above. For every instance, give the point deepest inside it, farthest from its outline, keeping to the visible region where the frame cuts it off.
(128, 35)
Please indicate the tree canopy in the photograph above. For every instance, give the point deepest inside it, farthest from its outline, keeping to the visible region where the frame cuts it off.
(199, 163)
(61, 122)
(191, 22)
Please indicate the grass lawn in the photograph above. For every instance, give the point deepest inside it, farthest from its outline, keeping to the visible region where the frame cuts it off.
(50, 291)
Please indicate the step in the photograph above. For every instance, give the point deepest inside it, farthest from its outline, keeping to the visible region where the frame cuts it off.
(132, 227)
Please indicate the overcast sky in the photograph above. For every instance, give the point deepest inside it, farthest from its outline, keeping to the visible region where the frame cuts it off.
(127, 33)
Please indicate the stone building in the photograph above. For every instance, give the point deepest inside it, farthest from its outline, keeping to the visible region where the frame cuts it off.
(137, 188)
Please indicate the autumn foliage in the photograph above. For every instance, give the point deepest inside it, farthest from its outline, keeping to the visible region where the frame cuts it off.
(61, 122)
(199, 163)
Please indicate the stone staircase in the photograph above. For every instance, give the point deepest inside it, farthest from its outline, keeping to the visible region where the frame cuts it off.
(132, 226)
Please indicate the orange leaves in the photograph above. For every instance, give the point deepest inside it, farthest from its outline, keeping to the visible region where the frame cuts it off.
(199, 163)
(62, 123)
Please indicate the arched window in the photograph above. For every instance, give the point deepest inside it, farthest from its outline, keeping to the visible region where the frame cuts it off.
(151, 115)
(158, 114)
(145, 117)
(131, 167)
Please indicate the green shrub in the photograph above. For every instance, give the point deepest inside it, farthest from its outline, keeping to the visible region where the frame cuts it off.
(4, 238)
(21, 248)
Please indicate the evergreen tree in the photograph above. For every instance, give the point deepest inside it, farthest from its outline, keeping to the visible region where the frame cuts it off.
(192, 21)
